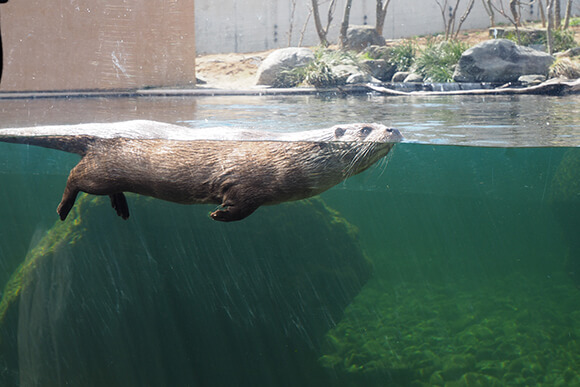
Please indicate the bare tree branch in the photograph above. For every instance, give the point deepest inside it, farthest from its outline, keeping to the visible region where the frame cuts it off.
(443, 8)
(321, 31)
(331, 9)
(303, 31)
(463, 17)
(489, 9)
(451, 31)
(451, 25)
(503, 13)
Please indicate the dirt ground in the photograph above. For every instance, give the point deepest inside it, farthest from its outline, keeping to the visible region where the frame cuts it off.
(238, 71)
(229, 71)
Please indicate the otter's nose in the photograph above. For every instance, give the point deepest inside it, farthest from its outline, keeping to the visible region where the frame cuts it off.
(394, 134)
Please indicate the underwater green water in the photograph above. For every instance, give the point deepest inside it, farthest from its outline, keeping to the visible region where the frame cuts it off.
(444, 265)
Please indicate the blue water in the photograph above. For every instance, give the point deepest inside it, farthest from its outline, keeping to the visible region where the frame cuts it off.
(453, 260)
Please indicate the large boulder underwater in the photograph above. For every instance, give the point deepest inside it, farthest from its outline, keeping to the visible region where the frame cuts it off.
(172, 298)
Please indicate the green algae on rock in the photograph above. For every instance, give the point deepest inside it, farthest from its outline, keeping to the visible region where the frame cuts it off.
(512, 337)
(62, 233)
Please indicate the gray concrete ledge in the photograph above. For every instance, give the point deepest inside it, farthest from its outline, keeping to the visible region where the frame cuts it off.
(167, 92)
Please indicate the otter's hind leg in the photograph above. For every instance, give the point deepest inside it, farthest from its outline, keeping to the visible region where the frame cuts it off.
(119, 203)
(68, 201)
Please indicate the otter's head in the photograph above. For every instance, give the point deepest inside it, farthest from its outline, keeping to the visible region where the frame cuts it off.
(366, 133)
(364, 144)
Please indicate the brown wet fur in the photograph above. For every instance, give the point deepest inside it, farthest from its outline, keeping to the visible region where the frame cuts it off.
(240, 176)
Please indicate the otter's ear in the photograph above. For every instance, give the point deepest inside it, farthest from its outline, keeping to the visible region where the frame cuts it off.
(339, 132)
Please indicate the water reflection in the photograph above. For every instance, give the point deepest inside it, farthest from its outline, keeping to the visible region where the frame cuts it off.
(455, 120)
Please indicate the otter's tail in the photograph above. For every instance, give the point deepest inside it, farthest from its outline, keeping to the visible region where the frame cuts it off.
(72, 144)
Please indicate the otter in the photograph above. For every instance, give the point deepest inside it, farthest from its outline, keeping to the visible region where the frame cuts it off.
(239, 174)
(146, 129)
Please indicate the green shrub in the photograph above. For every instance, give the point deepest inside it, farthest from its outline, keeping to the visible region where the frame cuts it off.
(563, 40)
(437, 61)
(402, 56)
(527, 37)
(317, 73)
(289, 78)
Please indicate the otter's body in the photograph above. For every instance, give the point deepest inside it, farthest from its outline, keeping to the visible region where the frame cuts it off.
(238, 175)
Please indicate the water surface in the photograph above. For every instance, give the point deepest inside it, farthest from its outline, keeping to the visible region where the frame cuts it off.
(453, 260)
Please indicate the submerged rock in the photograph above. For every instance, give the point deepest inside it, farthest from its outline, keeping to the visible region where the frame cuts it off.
(500, 60)
(173, 300)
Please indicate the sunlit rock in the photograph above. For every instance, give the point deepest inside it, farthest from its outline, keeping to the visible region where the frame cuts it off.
(280, 60)
(500, 60)
(360, 37)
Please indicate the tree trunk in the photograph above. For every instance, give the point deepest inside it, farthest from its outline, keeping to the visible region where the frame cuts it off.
(550, 17)
(515, 13)
(451, 25)
(381, 15)
(345, 23)
(463, 17)
(321, 32)
(567, 16)
(291, 28)
(557, 15)
(443, 8)
(542, 14)
(489, 9)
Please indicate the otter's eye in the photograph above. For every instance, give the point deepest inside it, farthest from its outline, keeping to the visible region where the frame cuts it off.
(366, 130)
(339, 132)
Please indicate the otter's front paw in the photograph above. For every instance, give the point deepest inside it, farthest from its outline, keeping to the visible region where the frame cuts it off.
(220, 215)
(227, 214)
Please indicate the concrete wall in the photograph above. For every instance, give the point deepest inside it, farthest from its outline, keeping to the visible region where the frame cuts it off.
(105, 44)
(257, 25)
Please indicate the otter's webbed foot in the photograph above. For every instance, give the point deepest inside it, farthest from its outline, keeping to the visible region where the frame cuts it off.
(119, 203)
